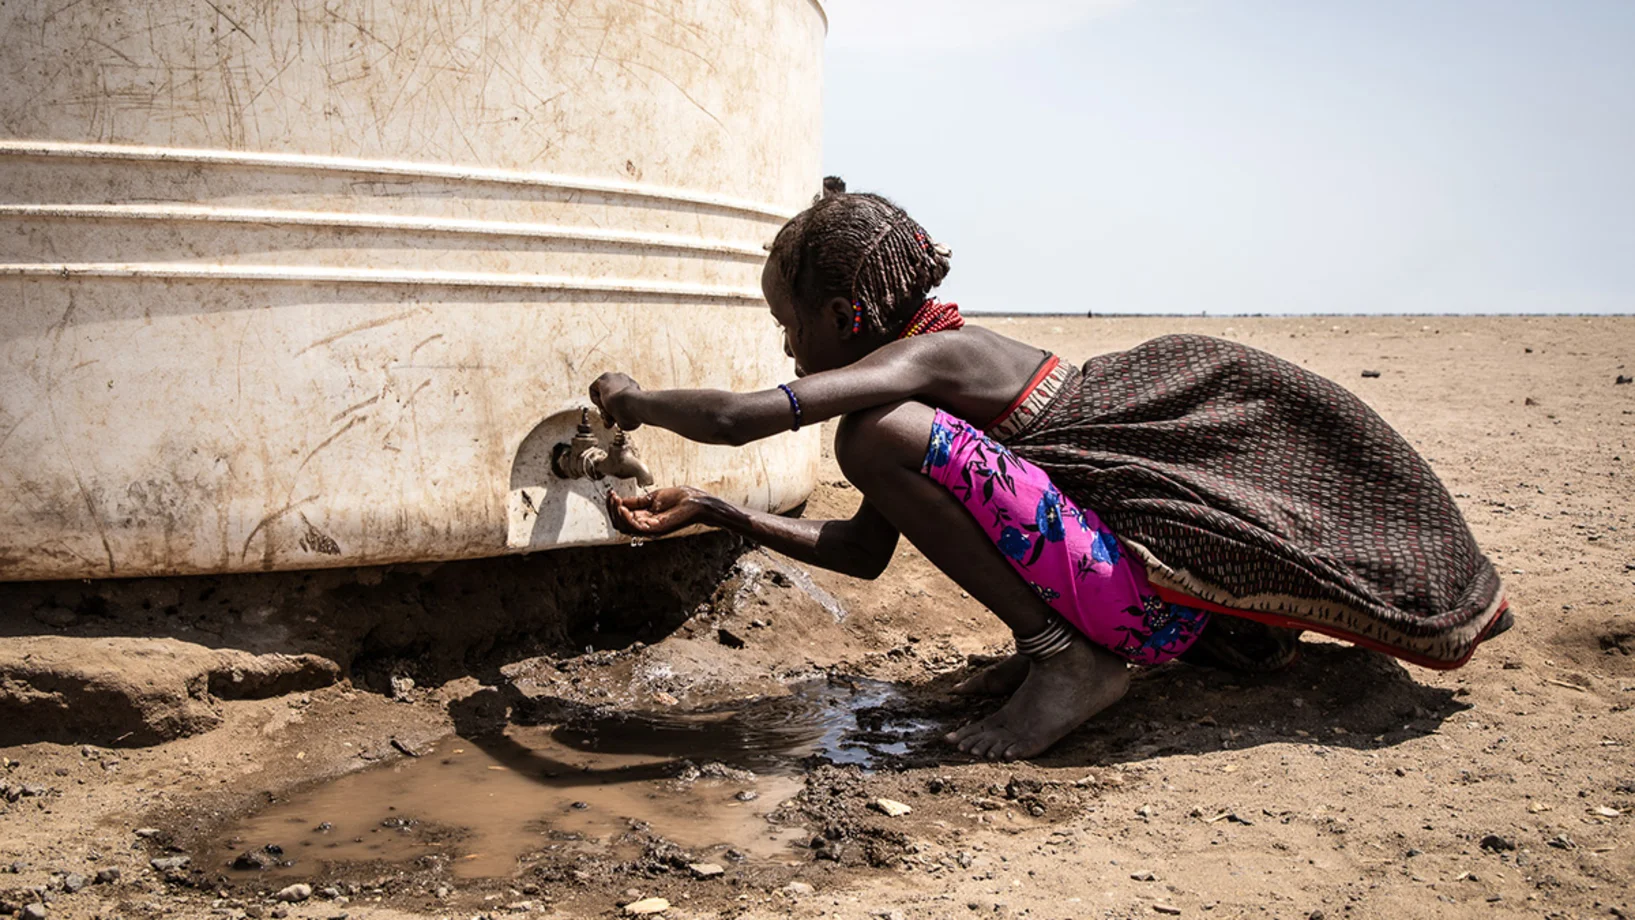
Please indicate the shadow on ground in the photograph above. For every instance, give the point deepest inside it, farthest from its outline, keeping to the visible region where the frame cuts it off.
(1332, 696)
(141, 661)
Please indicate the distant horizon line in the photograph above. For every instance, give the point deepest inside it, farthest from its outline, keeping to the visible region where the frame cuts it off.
(1092, 314)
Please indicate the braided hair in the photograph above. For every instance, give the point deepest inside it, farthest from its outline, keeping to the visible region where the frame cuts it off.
(864, 249)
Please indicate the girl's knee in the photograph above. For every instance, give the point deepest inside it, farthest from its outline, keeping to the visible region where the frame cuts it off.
(890, 436)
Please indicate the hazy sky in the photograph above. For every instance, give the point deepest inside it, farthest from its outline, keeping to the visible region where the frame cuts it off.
(1229, 156)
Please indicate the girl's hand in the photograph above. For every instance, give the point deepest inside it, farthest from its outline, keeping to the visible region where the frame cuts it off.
(610, 394)
(657, 513)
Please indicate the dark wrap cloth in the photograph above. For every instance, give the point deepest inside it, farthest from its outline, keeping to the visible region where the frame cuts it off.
(1247, 482)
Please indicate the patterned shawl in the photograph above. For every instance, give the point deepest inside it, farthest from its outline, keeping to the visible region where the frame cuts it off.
(1270, 493)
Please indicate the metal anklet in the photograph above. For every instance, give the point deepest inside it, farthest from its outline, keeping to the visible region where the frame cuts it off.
(1046, 643)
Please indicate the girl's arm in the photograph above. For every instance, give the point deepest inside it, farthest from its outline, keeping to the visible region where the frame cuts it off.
(898, 371)
(860, 547)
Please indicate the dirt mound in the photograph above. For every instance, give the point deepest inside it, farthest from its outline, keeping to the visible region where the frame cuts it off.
(121, 691)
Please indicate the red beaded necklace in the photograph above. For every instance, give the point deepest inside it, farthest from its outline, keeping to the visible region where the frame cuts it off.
(933, 316)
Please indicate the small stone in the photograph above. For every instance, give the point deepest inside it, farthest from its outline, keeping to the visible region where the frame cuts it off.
(73, 883)
(748, 795)
(706, 870)
(891, 915)
(1167, 909)
(891, 808)
(1606, 812)
(1493, 843)
(647, 906)
(294, 894)
(147, 832)
(1370, 373)
(799, 889)
(107, 876)
(279, 913)
(253, 860)
(1623, 379)
(35, 911)
(1315, 915)
(1144, 876)
(170, 863)
(1146, 811)
(1562, 842)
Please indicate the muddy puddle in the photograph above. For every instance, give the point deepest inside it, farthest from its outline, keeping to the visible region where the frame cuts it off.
(706, 780)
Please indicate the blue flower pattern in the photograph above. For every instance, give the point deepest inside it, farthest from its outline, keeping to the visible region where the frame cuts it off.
(942, 442)
(1160, 626)
(1014, 543)
(1049, 517)
(1104, 548)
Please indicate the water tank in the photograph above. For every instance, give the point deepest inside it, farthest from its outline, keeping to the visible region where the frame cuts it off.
(307, 284)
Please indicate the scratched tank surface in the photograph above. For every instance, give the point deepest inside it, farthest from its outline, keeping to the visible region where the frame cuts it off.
(322, 283)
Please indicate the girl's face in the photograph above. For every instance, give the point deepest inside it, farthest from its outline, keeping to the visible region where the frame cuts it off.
(818, 340)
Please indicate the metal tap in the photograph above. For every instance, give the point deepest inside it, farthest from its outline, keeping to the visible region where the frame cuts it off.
(621, 461)
(579, 457)
(583, 456)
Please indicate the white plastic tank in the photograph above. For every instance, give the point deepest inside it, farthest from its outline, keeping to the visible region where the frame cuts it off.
(324, 282)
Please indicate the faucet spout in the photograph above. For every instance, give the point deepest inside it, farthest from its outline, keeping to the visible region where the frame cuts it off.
(623, 463)
(582, 457)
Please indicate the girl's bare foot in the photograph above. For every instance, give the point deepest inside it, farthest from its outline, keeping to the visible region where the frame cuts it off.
(1001, 679)
(1057, 696)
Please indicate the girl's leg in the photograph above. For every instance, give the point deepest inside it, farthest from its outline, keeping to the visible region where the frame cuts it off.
(881, 452)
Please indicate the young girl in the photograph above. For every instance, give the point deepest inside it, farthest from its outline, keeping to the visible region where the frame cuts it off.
(1190, 493)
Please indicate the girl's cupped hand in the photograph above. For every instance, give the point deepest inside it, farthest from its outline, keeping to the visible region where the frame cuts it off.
(610, 394)
(657, 513)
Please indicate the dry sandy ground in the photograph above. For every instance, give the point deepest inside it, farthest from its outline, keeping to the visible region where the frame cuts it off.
(1348, 786)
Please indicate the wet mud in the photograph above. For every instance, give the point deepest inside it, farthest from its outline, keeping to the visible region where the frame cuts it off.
(710, 781)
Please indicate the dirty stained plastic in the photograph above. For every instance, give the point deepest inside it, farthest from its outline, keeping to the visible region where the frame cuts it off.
(299, 285)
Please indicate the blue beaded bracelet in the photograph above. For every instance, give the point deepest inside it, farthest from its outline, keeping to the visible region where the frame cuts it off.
(794, 405)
